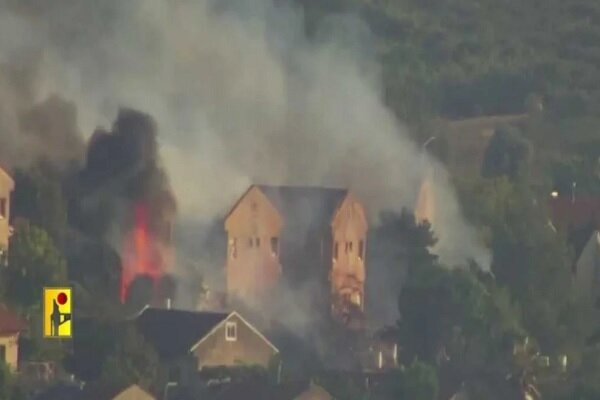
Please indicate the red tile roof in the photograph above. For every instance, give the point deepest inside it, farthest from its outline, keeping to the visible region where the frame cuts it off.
(10, 323)
(569, 214)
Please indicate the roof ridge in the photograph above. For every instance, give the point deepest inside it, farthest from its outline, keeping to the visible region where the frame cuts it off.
(286, 186)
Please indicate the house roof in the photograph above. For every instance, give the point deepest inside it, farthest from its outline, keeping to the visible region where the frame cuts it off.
(257, 390)
(60, 392)
(302, 205)
(569, 214)
(10, 323)
(174, 332)
(110, 392)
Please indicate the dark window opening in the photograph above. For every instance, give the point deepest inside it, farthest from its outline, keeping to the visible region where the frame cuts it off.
(275, 246)
(335, 250)
(250, 242)
(350, 244)
(3, 352)
(3, 208)
(230, 331)
(257, 242)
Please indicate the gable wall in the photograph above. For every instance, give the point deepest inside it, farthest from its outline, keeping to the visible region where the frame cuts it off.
(6, 187)
(248, 349)
(252, 269)
(347, 276)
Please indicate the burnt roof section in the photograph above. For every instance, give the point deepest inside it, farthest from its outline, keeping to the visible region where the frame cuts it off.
(305, 205)
(10, 323)
(173, 333)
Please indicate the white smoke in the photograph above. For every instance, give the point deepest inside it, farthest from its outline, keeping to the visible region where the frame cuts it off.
(240, 95)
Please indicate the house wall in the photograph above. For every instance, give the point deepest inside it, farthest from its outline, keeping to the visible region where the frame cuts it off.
(11, 345)
(314, 392)
(6, 187)
(248, 349)
(134, 393)
(253, 269)
(348, 273)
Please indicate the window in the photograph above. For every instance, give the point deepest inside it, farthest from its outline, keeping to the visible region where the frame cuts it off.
(355, 299)
(3, 352)
(274, 246)
(250, 242)
(395, 353)
(3, 208)
(233, 247)
(350, 246)
(361, 249)
(257, 242)
(380, 360)
(231, 331)
(335, 251)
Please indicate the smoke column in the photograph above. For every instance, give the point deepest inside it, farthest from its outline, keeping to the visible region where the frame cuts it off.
(239, 95)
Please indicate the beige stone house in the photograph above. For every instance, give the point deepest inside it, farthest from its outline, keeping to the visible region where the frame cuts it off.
(11, 327)
(189, 342)
(7, 185)
(293, 235)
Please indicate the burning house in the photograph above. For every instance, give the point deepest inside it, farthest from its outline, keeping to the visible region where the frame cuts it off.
(281, 238)
(7, 185)
(123, 194)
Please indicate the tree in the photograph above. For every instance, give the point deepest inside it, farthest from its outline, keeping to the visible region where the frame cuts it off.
(419, 382)
(39, 198)
(507, 154)
(33, 262)
(132, 361)
(396, 244)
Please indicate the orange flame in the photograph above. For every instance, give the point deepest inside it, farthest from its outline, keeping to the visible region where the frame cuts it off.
(140, 255)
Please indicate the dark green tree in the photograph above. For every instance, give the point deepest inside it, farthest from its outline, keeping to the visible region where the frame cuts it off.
(39, 198)
(507, 154)
(132, 361)
(33, 262)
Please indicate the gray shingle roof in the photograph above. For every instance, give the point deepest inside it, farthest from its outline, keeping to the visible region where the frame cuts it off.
(305, 205)
(172, 333)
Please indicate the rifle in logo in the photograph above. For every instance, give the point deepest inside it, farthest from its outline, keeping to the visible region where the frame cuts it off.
(57, 312)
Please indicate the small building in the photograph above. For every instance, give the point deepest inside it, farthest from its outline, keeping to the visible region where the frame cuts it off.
(11, 327)
(252, 390)
(570, 213)
(7, 185)
(282, 237)
(60, 391)
(127, 392)
(188, 342)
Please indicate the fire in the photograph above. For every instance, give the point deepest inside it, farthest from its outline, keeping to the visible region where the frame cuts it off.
(140, 255)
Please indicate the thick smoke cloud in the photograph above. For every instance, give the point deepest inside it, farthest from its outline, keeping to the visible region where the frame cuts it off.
(240, 95)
